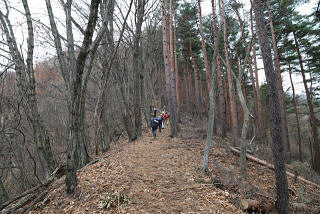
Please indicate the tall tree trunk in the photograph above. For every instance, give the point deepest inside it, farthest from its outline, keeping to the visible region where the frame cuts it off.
(259, 106)
(282, 202)
(176, 66)
(196, 86)
(206, 64)
(174, 112)
(297, 115)
(185, 77)
(137, 67)
(246, 113)
(315, 136)
(170, 92)
(284, 123)
(258, 121)
(211, 110)
(84, 142)
(233, 110)
(221, 106)
(190, 84)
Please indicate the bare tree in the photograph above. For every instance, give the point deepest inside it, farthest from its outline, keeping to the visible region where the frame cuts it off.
(26, 86)
(137, 65)
(75, 71)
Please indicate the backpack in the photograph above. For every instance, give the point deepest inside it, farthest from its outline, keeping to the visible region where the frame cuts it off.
(154, 123)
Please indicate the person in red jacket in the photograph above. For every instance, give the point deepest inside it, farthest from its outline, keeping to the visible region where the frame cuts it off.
(165, 117)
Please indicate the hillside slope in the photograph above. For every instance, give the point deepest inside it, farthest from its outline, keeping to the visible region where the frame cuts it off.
(163, 175)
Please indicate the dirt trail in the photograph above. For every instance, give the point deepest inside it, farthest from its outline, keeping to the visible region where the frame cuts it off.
(158, 175)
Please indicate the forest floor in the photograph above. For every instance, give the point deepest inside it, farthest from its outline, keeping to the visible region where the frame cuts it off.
(164, 175)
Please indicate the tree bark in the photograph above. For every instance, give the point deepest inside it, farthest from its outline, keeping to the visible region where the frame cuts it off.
(206, 64)
(221, 107)
(282, 203)
(211, 111)
(75, 73)
(174, 118)
(137, 67)
(259, 106)
(186, 87)
(284, 123)
(233, 110)
(173, 124)
(176, 67)
(196, 86)
(312, 117)
(297, 115)
(258, 121)
(246, 113)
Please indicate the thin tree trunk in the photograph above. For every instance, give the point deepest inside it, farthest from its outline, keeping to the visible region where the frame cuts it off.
(174, 118)
(137, 67)
(282, 203)
(206, 64)
(221, 106)
(211, 111)
(297, 115)
(315, 136)
(284, 123)
(233, 110)
(196, 86)
(185, 77)
(246, 113)
(173, 125)
(176, 66)
(259, 106)
(258, 121)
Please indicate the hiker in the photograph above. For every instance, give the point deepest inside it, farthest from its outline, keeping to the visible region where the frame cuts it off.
(154, 112)
(165, 117)
(160, 120)
(154, 126)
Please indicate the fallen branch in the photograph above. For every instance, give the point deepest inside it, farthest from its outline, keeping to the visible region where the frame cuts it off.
(49, 181)
(20, 204)
(35, 201)
(96, 160)
(271, 166)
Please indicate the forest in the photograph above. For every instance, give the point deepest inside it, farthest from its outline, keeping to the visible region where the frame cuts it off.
(81, 80)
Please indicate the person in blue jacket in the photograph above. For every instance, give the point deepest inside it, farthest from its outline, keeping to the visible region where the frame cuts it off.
(160, 118)
(154, 112)
(154, 125)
